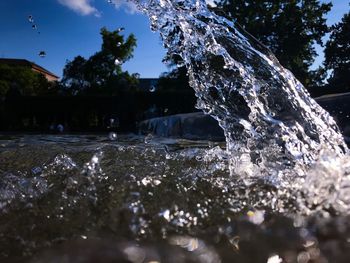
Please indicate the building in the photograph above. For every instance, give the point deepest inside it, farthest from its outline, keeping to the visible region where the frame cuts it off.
(25, 63)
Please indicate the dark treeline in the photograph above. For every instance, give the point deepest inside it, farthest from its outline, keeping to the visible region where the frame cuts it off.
(90, 113)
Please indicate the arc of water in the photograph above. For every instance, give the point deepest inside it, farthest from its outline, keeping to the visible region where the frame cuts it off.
(267, 115)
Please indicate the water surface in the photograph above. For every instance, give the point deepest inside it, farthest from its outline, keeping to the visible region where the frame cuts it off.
(78, 198)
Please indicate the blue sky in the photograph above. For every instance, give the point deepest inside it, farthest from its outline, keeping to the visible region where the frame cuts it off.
(71, 27)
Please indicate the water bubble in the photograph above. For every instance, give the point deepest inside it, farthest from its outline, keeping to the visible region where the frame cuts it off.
(42, 54)
(120, 29)
(30, 19)
(34, 27)
(117, 62)
(166, 110)
(152, 89)
(119, 44)
(112, 136)
(109, 1)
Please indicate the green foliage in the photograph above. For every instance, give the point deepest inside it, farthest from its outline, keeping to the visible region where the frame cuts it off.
(74, 74)
(337, 54)
(24, 80)
(290, 28)
(100, 74)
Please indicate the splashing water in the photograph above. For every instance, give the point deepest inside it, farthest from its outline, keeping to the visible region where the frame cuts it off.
(268, 117)
(274, 130)
(286, 152)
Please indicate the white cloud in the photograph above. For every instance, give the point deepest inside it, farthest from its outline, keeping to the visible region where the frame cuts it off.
(82, 7)
(128, 6)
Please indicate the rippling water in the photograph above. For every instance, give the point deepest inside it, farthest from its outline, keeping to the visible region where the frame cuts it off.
(89, 198)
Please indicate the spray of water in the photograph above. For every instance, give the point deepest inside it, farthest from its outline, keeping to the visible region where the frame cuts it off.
(267, 115)
(274, 130)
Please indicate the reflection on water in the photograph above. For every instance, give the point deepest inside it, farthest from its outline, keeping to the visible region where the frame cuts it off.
(87, 197)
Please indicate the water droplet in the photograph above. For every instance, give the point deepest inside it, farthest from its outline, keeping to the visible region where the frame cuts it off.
(120, 29)
(165, 214)
(166, 110)
(145, 181)
(30, 19)
(34, 27)
(274, 259)
(110, 1)
(117, 62)
(152, 89)
(119, 44)
(112, 136)
(156, 182)
(42, 54)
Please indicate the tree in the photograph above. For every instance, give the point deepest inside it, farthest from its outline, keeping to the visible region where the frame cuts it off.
(337, 55)
(290, 28)
(24, 80)
(74, 75)
(102, 72)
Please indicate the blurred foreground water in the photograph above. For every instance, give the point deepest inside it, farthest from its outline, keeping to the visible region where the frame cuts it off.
(137, 199)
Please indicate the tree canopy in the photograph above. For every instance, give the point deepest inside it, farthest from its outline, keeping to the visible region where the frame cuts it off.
(290, 28)
(102, 72)
(337, 54)
(23, 81)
